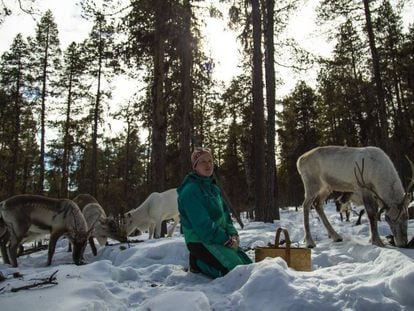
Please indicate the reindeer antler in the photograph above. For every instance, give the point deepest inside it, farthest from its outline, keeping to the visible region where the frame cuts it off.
(361, 182)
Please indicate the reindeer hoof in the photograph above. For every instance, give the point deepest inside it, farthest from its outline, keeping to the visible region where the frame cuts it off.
(338, 240)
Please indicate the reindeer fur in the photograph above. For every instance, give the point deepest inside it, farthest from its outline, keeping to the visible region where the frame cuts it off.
(100, 225)
(24, 215)
(150, 214)
(334, 168)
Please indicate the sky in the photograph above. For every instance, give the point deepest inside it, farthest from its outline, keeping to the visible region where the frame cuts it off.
(151, 275)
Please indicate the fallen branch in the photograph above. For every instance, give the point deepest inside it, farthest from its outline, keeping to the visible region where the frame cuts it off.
(45, 281)
(34, 249)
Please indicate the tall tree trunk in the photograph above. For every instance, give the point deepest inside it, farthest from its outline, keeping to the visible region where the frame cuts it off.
(94, 158)
(43, 117)
(159, 113)
(15, 146)
(121, 210)
(382, 109)
(65, 158)
(258, 114)
(186, 89)
(272, 209)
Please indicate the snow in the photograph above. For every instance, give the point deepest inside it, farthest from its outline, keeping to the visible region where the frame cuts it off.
(151, 275)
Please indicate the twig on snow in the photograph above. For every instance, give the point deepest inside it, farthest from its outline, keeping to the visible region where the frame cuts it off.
(49, 280)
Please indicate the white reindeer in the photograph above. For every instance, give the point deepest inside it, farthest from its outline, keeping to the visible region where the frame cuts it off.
(366, 172)
(24, 215)
(152, 212)
(99, 224)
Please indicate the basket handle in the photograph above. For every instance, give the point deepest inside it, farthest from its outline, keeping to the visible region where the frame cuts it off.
(288, 242)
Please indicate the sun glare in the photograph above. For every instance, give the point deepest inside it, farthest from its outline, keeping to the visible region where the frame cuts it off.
(221, 45)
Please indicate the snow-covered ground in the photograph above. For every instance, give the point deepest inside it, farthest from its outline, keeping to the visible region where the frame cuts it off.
(151, 275)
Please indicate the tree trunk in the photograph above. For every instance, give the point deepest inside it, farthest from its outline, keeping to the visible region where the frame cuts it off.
(159, 113)
(186, 90)
(272, 209)
(15, 146)
(382, 109)
(42, 118)
(127, 165)
(94, 158)
(258, 114)
(65, 158)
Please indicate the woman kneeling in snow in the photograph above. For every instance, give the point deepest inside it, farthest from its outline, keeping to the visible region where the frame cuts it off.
(208, 230)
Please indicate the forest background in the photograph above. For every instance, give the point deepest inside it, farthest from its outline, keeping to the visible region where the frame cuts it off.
(55, 138)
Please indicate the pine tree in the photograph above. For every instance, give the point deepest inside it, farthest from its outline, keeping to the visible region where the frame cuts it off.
(73, 89)
(46, 60)
(329, 10)
(346, 108)
(298, 132)
(99, 54)
(14, 72)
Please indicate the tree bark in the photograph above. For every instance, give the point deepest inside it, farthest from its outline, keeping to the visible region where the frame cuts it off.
(15, 146)
(272, 209)
(94, 158)
(65, 158)
(186, 90)
(159, 113)
(43, 117)
(382, 109)
(258, 114)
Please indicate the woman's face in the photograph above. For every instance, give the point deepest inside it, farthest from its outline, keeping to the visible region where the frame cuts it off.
(205, 166)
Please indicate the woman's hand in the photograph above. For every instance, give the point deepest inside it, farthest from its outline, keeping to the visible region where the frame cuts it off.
(233, 242)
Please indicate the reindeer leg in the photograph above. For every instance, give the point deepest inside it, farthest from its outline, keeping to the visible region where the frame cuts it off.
(3, 247)
(151, 231)
(92, 245)
(14, 245)
(371, 209)
(308, 236)
(16, 236)
(331, 231)
(158, 229)
(52, 246)
(172, 229)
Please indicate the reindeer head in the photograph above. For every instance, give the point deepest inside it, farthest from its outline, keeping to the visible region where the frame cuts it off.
(78, 234)
(396, 218)
(399, 214)
(79, 241)
(113, 229)
(125, 222)
(396, 215)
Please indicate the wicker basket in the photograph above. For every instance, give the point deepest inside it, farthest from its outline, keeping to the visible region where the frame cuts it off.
(296, 258)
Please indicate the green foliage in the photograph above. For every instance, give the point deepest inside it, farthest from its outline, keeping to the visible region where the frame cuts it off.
(298, 132)
(341, 109)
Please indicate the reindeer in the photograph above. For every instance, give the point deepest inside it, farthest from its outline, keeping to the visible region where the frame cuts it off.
(343, 205)
(100, 225)
(366, 172)
(29, 214)
(150, 214)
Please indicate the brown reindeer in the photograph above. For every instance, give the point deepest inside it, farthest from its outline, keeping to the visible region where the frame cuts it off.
(24, 215)
(101, 226)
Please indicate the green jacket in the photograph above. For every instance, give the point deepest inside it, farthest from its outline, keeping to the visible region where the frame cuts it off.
(205, 219)
(204, 215)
